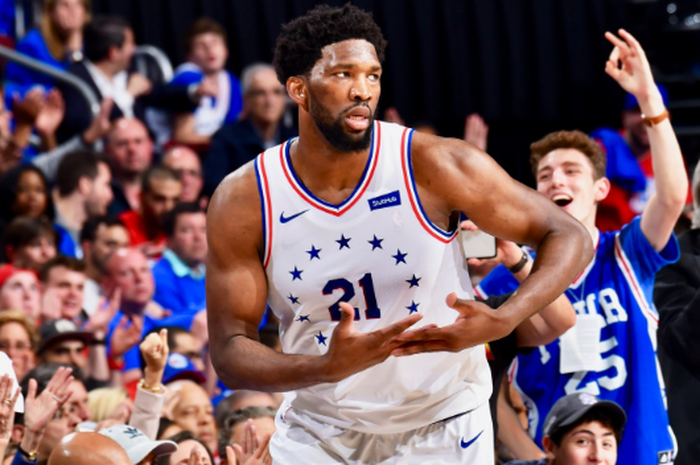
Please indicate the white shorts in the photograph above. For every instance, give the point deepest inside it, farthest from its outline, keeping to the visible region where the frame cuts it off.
(467, 439)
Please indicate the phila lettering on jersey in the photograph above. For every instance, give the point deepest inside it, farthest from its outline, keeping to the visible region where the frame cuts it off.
(378, 251)
(615, 337)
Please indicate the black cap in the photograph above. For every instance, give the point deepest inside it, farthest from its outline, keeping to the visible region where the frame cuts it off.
(61, 330)
(569, 409)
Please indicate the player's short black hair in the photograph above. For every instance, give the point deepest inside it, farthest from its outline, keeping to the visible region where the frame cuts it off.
(300, 43)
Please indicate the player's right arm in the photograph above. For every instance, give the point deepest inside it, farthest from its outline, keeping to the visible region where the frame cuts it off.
(236, 289)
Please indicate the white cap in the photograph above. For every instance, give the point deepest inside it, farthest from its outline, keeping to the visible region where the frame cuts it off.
(136, 444)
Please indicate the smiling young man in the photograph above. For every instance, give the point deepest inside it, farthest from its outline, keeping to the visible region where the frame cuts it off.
(356, 220)
(581, 430)
(611, 351)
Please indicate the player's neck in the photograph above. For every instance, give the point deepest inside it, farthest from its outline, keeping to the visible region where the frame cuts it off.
(322, 168)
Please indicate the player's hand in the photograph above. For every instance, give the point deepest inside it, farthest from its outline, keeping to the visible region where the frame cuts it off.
(476, 324)
(628, 65)
(352, 351)
(507, 253)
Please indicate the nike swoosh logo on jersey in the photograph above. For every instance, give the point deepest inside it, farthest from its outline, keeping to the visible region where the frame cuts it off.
(287, 219)
(466, 444)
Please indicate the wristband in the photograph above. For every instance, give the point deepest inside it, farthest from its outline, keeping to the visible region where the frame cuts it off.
(98, 342)
(521, 264)
(650, 121)
(31, 456)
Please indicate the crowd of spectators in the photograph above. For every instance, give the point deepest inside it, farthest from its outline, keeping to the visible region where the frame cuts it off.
(103, 244)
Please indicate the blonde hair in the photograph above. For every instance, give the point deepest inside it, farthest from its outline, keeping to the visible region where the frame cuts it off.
(55, 43)
(21, 317)
(103, 401)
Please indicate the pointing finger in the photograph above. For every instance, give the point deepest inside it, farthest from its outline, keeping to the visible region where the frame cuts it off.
(399, 327)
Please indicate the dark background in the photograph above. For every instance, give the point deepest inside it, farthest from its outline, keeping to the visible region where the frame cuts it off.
(527, 66)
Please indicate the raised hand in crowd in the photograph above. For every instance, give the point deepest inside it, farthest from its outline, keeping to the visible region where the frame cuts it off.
(24, 111)
(138, 85)
(7, 410)
(476, 131)
(155, 351)
(391, 115)
(198, 456)
(125, 336)
(98, 322)
(100, 124)
(253, 451)
(49, 118)
(39, 410)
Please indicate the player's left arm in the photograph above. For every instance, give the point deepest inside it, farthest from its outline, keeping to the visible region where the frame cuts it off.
(629, 66)
(454, 176)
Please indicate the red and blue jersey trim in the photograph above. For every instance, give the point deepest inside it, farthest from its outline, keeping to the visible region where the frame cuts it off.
(264, 192)
(627, 269)
(407, 167)
(345, 205)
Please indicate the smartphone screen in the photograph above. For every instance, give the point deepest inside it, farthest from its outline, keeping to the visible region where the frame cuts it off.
(478, 244)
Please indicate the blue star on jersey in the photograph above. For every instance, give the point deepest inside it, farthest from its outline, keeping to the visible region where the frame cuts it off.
(320, 338)
(413, 308)
(292, 299)
(344, 242)
(296, 274)
(413, 282)
(303, 318)
(399, 257)
(376, 242)
(314, 253)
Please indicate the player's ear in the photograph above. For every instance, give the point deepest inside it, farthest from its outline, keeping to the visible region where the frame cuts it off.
(296, 88)
(601, 188)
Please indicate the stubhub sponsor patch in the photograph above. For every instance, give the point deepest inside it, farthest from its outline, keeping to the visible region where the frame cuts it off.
(391, 199)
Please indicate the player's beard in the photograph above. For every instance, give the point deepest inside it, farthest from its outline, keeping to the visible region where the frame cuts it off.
(332, 128)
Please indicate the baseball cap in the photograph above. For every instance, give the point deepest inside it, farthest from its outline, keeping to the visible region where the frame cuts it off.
(181, 367)
(61, 330)
(631, 101)
(569, 409)
(136, 444)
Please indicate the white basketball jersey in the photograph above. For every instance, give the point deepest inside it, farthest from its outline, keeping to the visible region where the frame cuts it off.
(380, 252)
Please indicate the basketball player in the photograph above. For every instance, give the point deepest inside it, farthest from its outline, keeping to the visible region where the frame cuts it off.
(347, 232)
(611, 350)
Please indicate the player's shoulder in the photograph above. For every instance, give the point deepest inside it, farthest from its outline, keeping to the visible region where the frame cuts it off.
(428, 149)
(237, 194)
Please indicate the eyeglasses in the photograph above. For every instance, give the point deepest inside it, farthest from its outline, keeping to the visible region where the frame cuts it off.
(19, 347)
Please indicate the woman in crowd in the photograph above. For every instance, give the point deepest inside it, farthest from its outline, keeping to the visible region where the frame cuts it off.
(19, 290)
(24, 191)
(58, 41)
(19, 339)
(187, 444)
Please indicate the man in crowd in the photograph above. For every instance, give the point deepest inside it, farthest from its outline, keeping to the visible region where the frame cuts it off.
(160, 192)
(192, 410)
(128, 269)
(64, 343)
(206, 49)
(130, 152)
(82, 190)
(580, 429)
(237, 143)
(613, 295)
(88, 448)
(185, 162)
(99, 238)
(109, 47)
(63, 279)
(179, 275)
(30, 242)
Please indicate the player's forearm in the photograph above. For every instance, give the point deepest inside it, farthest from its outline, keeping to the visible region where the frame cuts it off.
(563, 252)
(247, 364)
